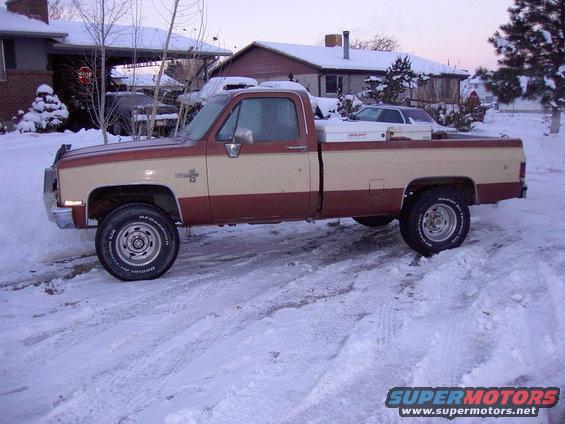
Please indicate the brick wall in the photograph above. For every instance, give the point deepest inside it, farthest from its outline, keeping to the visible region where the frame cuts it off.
(18, 91)
(36, 9)
(261, 64)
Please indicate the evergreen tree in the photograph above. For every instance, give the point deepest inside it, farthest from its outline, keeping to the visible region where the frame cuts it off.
(532, 56)
(47, 112)
(399, 77)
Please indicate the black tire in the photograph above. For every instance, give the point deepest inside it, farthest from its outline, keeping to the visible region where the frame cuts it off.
(374, 221)
(435, 220)
(137, 242)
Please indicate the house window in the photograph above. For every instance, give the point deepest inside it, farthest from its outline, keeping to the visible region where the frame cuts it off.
(10, 54)
(334, 84)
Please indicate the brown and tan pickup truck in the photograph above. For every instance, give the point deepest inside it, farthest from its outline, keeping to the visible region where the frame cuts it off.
(258, 156)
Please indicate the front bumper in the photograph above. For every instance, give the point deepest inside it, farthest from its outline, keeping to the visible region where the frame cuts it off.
(63, 217)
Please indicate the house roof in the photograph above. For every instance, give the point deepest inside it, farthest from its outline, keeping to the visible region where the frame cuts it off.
(14, 24)
(331, 58)
(73, 35)
(121, 36)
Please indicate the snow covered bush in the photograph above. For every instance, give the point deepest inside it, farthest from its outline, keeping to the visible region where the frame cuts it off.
(47, 112)
(348, 104)
(460, 116)
(398, 79)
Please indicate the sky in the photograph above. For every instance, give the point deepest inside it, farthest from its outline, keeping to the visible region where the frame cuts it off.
(453, 31)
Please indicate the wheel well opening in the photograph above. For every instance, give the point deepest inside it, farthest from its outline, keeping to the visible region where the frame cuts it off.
(105, 199)
(463, 185)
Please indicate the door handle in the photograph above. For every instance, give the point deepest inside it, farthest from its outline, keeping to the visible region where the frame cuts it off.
(297, 148)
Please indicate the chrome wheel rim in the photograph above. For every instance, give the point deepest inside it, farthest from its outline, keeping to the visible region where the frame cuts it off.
(138, 244)
(439, 223)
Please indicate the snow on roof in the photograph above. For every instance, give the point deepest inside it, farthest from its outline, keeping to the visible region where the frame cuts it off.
(214, 86)
(13, 23)
(75, 34)
(360, 60)
(145, 80)
(121, 37)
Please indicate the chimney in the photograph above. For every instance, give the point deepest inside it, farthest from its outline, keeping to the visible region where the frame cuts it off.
(333, 40)
(346, 45)
(35, 9)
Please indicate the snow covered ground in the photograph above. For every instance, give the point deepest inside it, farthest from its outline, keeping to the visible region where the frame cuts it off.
(296, 323)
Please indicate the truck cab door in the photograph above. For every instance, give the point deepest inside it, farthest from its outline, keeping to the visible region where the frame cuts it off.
(268, 179)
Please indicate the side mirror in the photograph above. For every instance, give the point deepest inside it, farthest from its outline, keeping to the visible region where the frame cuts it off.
(352, 116)
(241, 136)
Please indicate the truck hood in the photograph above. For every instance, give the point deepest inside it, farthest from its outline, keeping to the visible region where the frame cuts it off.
(119, 152)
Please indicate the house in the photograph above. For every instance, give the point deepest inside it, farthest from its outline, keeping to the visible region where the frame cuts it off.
(35, 51)
(327, 70)
(476, 86)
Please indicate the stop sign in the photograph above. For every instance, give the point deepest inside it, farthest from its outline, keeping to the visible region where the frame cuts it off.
(84, 75)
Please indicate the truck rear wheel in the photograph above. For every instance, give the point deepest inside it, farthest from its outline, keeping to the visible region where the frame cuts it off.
(137, 242)
(374, 221)
(437, 219)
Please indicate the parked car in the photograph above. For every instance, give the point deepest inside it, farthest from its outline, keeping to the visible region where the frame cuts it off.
(129, 111)
(398, 115)
(258, 156)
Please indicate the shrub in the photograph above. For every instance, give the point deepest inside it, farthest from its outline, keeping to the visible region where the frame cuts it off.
(47, 112)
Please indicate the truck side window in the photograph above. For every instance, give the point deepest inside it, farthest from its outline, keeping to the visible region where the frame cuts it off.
(228, 129)
(269, 118)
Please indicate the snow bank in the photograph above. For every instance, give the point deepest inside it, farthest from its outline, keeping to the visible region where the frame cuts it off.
(26, 236)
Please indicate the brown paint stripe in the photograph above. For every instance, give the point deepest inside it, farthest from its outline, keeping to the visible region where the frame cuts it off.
(361, 203)
(422, 144)
(125, 155)
(495, 192)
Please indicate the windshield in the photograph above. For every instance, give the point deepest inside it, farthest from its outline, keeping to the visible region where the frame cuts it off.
(202, 122)
(417, 115)
(134, 100)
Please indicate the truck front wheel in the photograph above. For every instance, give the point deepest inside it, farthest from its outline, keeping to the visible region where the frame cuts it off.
(137, 242)
(437, 219)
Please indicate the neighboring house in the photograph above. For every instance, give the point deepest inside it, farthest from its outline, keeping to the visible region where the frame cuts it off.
(325, 70)
(35, 51)
(477, 86)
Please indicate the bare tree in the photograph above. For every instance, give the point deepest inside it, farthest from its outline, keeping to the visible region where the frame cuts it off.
(379, 42)
(62, 10)
(178, 14)
(136, 19)
(100, 18)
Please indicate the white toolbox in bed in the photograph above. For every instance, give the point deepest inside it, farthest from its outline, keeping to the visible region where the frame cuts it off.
(335, 131)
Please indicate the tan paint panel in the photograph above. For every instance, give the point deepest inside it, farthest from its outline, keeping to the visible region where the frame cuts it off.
(78, 182)
(259, 174)
(352, 170)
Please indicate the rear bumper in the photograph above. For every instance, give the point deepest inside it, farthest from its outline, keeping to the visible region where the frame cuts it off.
(523, 192)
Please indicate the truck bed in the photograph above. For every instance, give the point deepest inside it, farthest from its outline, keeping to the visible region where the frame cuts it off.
(365, 178)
